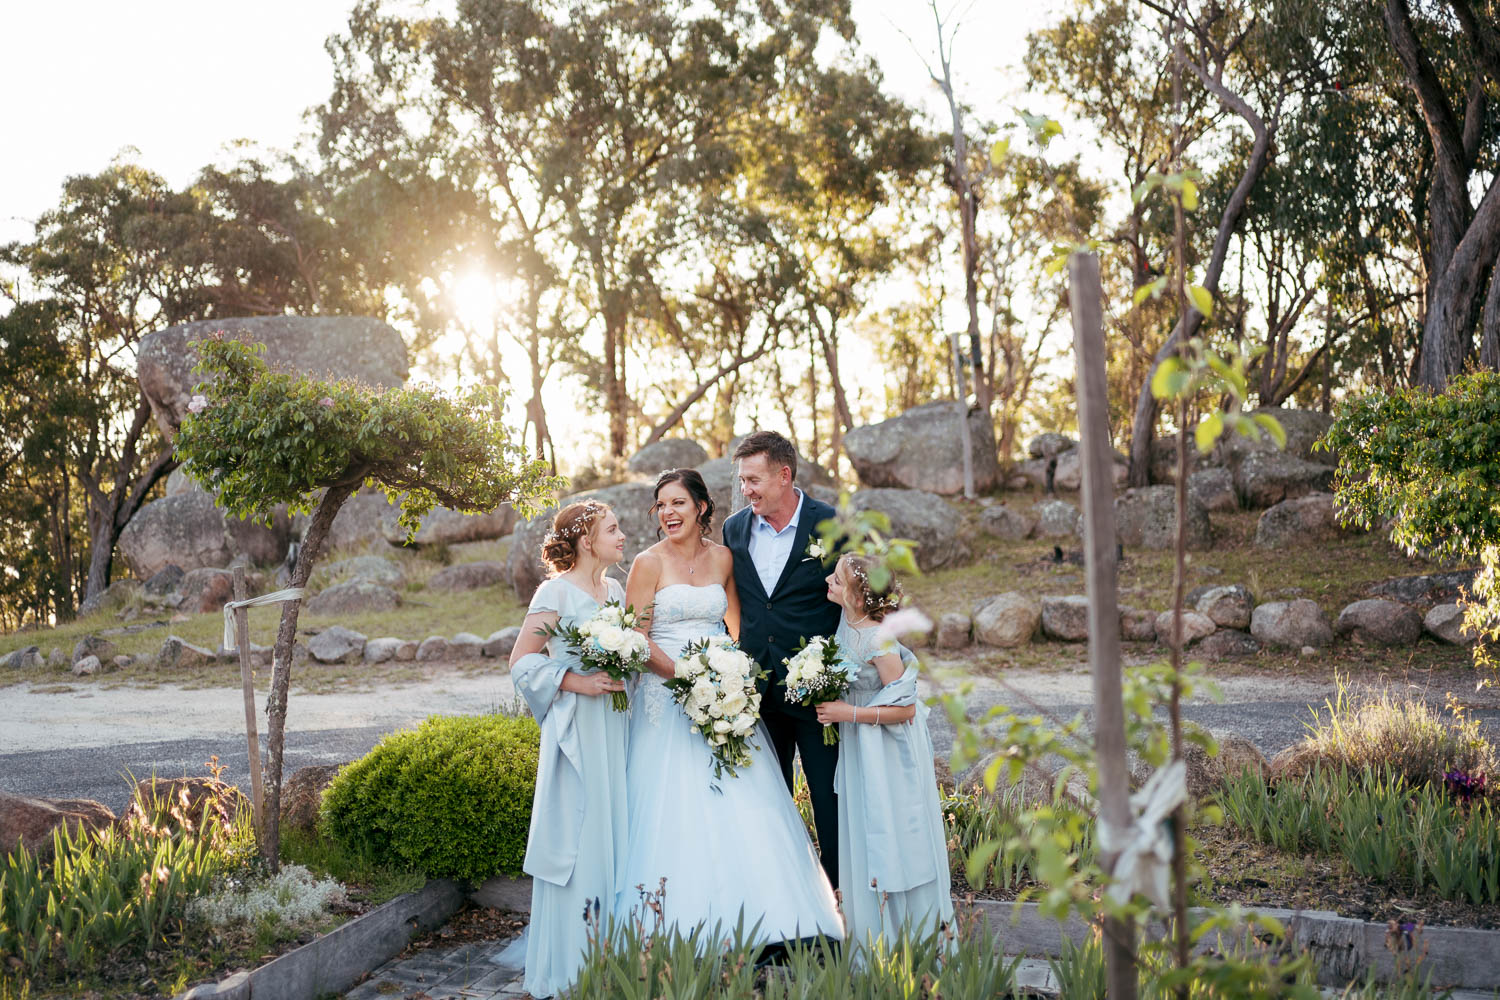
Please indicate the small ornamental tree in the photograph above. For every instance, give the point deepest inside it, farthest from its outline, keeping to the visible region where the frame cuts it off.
(1429, 465)
(258, 438)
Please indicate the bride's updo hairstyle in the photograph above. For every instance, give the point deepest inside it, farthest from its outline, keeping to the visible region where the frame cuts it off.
(570, 526)
(692, 481)
(873, 604)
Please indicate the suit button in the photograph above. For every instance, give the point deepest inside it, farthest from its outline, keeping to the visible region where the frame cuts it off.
(770, 639)
(768, 605)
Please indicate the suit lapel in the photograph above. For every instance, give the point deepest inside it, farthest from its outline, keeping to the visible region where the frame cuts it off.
(737, 537)
(799, 544)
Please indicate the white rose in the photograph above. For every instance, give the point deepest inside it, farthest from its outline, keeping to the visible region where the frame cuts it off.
(734, 703)
(703, 690)
(742, 723)
(682, 668)
(720, 739)
(610, 638)
(697, 714)
(722, 726)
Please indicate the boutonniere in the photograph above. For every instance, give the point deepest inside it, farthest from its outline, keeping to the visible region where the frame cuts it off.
(815, 550)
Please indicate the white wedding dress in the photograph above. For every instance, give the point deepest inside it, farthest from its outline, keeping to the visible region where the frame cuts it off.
(726, 846)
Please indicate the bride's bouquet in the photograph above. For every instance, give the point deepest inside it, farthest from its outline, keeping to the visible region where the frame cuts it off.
(819, 672)
(714, 683)
(608, 641)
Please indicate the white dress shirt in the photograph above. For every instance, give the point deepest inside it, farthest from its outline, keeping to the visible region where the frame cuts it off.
(770, 549)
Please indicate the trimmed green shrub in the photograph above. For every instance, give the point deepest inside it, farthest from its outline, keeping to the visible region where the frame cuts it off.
(451, 798)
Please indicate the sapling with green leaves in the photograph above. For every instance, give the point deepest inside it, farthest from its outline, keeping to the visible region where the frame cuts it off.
(258, 438)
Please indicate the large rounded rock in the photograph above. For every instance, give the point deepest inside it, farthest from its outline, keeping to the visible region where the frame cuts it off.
(501, 642)
(1265, 478)
(1228, 607)
(1228, 644)
(1194, 627)
(468, 576)
(1009, 619)
(1299, 521)
(387, 648)
(94, 645)
(1069, 472)
(376, 569)
(1137, 624)
(669, 453)
(203, 590)
(360, 521)
(25, 658)
(1303, 429)
(953, 630)
(1378, 622)
(445, 526)
(336, 347)
(1426, 589)
(31, 821)
(632, 505)
(1050, 445)
(925, 518)
(179, 654)
(921, 449)
(1066, 618)
(1007, 522)
(336, 644)
(1291, 624)
(189, 531)
(354, 597)
(1214, 489)
(1057, 519)
(1446, 623)
(1147, 518)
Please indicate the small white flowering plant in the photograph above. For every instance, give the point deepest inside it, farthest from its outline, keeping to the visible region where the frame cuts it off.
(607, 641)
(819, 672)
(291, 896)
(715, 683)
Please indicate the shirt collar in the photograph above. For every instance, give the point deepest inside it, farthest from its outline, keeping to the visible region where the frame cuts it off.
(761, 522)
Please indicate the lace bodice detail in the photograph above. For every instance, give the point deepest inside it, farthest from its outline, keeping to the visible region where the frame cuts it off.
(680, 614)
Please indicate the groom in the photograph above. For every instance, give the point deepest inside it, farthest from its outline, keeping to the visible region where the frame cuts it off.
(783, 600)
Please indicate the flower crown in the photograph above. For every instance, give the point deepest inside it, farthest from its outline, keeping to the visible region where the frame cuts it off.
(887, 601)
(581, 524)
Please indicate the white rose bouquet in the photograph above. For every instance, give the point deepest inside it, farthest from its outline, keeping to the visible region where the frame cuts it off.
(608, 641)
(715, 685)
(819, 672)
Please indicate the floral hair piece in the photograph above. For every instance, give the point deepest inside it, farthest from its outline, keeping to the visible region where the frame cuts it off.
(581, 524)
(889, 600)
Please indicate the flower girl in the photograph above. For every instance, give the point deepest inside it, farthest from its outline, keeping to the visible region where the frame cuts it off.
(893, 863)
(578, 816)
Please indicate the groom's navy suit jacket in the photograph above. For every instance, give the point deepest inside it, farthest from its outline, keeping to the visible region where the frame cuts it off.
(773, 625)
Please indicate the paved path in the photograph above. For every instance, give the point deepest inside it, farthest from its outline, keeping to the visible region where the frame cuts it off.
(463, 972)
(81, 743)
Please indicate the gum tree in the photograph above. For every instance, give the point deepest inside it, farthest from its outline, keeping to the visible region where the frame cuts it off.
(260, 438)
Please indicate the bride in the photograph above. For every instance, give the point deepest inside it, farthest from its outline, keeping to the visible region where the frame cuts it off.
(726, 847)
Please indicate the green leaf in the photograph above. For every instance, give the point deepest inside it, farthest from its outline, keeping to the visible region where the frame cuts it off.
(1209, 429)
(1271, 426)
(1201, 299)
(1153, 290)
(998, 152)
(1169, 379)
(1189, 195)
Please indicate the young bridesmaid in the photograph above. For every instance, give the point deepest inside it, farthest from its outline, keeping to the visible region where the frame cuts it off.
(578, 816)
(893, 862)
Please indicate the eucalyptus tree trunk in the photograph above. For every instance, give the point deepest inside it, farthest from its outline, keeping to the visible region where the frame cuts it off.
(281, 662)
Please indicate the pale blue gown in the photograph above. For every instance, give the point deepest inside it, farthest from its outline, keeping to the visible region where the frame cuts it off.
(579, 814)
(893, 857)
(727, 847)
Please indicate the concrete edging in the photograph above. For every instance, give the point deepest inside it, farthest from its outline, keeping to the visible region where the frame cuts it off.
(337, 960)
(1459, 957)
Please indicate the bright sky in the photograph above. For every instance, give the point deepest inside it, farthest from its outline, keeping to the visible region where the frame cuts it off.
(180, 80)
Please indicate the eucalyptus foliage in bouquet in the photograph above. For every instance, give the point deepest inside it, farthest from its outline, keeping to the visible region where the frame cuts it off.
(607, 641)
(819, 672)
(714, 683)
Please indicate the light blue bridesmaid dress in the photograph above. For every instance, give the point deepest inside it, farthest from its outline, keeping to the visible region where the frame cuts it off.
(893, 858)
(579, 815)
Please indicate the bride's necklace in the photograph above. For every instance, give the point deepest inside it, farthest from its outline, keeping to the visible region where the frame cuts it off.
(693, 562)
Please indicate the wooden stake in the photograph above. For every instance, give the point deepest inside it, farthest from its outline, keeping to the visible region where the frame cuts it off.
(1102, 565)
(247, 680)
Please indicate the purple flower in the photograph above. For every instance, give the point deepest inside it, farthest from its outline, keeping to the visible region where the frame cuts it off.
(1465, 786)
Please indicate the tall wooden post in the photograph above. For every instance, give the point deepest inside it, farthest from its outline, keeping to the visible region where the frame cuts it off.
(1102, 566)
(247, 681)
